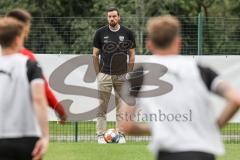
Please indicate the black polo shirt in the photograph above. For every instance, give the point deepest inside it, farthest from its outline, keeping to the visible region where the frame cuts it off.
(114, 48)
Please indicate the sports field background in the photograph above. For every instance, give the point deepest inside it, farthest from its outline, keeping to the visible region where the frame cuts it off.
(67, 27)
(64, 147)
(77, 141)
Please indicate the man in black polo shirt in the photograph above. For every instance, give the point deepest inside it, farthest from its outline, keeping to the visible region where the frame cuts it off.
(114, 43)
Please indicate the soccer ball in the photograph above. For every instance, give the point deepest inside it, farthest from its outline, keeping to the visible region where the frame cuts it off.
(111, 136)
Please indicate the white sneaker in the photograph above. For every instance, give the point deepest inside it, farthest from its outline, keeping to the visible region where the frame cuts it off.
(101, 139)
(122, 138)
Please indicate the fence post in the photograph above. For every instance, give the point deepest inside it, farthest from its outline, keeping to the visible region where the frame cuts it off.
(76, 131)
(200, 33)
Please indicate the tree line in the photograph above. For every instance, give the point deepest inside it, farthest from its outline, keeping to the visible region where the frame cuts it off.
(68, 26)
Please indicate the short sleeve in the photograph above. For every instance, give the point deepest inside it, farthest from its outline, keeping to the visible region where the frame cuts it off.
(132, 39)
(34, 71)
(29, 54)
(97, 40)
(209, 77)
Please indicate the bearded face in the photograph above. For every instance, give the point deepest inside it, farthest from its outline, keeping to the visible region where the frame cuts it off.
(113, 18)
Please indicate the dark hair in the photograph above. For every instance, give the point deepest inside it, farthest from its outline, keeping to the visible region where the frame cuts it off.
(163, 30)
(21, 15)
(10, 28)
(113, 9)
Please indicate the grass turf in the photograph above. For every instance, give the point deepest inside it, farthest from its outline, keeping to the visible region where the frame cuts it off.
(133, 151)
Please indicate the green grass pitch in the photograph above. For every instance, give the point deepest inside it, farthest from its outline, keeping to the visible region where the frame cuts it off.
(133, 151)
(90, 150)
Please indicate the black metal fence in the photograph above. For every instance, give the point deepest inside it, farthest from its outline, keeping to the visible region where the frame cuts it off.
(201, 35)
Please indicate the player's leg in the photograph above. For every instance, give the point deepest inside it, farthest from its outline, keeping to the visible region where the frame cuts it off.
(118, 81)
(104, 90)
(17, 148)
(25, 147)
(6, 150)
(185, 156)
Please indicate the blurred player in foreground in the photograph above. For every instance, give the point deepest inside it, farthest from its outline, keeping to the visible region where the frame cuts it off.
(25, 17)
(185, 128)
(23, 105)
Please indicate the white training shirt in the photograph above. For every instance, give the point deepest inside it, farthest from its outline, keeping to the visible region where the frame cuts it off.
(17, 114)
(194, 127)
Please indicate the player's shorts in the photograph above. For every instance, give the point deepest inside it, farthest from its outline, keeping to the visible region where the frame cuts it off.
(17, 148)
(191, 155)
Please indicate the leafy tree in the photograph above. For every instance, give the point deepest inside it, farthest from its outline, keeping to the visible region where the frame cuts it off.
(69, 25)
